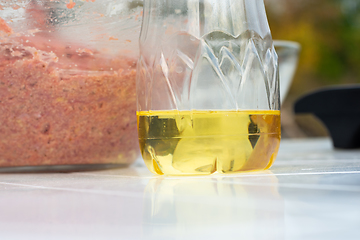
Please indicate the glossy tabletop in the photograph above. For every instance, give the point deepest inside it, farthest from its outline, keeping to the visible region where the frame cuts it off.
(311, 192)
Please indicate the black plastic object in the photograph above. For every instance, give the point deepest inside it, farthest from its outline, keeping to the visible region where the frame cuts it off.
(339, 109)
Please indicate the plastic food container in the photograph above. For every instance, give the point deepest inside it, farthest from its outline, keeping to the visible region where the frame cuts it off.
(67, 82)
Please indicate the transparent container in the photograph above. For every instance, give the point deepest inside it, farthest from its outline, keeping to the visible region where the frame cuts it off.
(288, 53)
(67, 82)
(207, 87)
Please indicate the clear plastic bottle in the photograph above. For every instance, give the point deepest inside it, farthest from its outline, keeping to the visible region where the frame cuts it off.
(207, 87)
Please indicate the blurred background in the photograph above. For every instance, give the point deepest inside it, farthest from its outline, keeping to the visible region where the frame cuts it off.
(329, 34)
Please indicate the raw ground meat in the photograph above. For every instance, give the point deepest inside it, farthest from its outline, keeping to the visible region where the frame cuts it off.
(55, 116)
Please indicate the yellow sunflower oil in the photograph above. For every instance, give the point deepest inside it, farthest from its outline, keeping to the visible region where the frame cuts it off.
(204, 142)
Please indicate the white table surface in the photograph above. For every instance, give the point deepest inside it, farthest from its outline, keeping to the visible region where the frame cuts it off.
(311, 192)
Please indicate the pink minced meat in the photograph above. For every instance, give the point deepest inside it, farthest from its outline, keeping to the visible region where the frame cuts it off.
(52, 116)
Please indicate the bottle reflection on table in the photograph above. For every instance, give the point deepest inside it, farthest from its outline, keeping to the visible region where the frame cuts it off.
(209, 207)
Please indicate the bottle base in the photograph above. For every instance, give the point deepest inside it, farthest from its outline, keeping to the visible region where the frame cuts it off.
(210, 169)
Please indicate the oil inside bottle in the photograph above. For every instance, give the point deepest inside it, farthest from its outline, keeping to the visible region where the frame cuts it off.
(204, 142)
